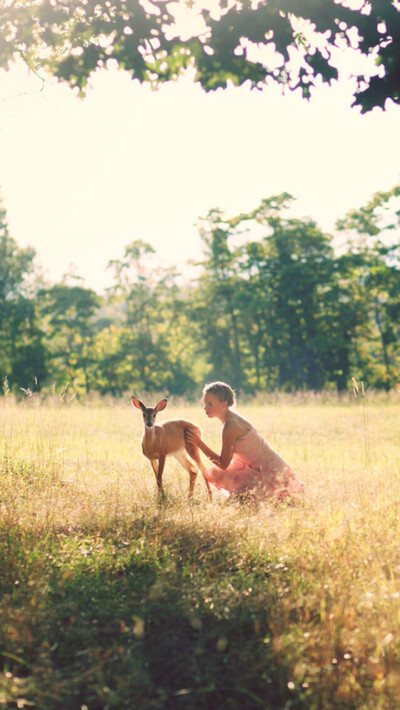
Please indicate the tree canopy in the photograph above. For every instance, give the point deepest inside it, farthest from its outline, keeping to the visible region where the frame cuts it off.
(296, 43)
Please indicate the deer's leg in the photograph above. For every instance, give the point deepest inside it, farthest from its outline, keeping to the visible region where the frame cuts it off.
(158, 468)
(192, 471)
(208, 488)
(194, 453)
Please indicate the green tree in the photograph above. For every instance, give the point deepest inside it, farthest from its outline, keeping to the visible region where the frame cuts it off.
(254, 296)
(216, 316)
(374, 253)
(22, 357)
(68, 314)
(299, 268)
(293, 42)
(288, 274)
(151, 349)
(275, 307)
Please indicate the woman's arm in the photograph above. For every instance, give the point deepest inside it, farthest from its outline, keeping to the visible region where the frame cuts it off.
(230, 433)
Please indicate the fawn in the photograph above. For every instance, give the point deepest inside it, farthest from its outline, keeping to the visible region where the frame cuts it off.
(168, 439)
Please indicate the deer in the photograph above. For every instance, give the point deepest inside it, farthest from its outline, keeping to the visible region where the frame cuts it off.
(168, 439)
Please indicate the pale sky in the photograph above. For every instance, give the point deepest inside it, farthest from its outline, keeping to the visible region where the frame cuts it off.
(81, 179)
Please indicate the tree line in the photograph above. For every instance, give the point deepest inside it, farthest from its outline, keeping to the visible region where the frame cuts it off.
(273, 303)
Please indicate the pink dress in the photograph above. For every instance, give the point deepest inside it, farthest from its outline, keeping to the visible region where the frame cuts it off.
(257, 468)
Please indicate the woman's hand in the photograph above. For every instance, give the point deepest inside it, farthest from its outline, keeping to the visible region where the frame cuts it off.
(192, 437)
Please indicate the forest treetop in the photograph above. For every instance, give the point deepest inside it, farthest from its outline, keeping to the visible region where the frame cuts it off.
(296, 43)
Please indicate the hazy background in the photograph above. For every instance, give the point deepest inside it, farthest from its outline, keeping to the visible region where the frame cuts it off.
(80, 179)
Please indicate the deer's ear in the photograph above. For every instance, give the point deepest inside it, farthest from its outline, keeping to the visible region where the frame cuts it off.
(138, 403)
(161, 405)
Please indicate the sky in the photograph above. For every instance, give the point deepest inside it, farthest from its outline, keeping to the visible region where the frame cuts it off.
(82, 178)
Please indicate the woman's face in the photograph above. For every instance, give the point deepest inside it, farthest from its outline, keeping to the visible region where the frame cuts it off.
(213, 406)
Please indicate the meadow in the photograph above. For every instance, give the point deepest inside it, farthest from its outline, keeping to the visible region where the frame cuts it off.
(111, 600)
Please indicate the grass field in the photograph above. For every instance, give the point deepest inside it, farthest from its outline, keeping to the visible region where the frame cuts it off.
(111, 601)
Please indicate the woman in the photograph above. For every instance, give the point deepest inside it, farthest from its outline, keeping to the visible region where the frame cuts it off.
(246, 464)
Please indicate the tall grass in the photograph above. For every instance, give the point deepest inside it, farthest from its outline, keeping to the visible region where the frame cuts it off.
(110, 600)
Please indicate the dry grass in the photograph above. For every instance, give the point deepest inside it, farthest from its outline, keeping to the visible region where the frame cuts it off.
(112, 601)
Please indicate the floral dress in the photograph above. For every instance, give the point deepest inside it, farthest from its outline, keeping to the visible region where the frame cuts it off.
(255, 468)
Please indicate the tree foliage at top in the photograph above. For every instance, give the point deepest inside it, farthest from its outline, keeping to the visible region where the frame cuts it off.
(293, 42)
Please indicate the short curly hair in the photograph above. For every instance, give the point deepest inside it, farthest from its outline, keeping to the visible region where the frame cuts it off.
(224, 392)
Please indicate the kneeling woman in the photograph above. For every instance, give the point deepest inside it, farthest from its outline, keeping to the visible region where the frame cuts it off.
(246, 464)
